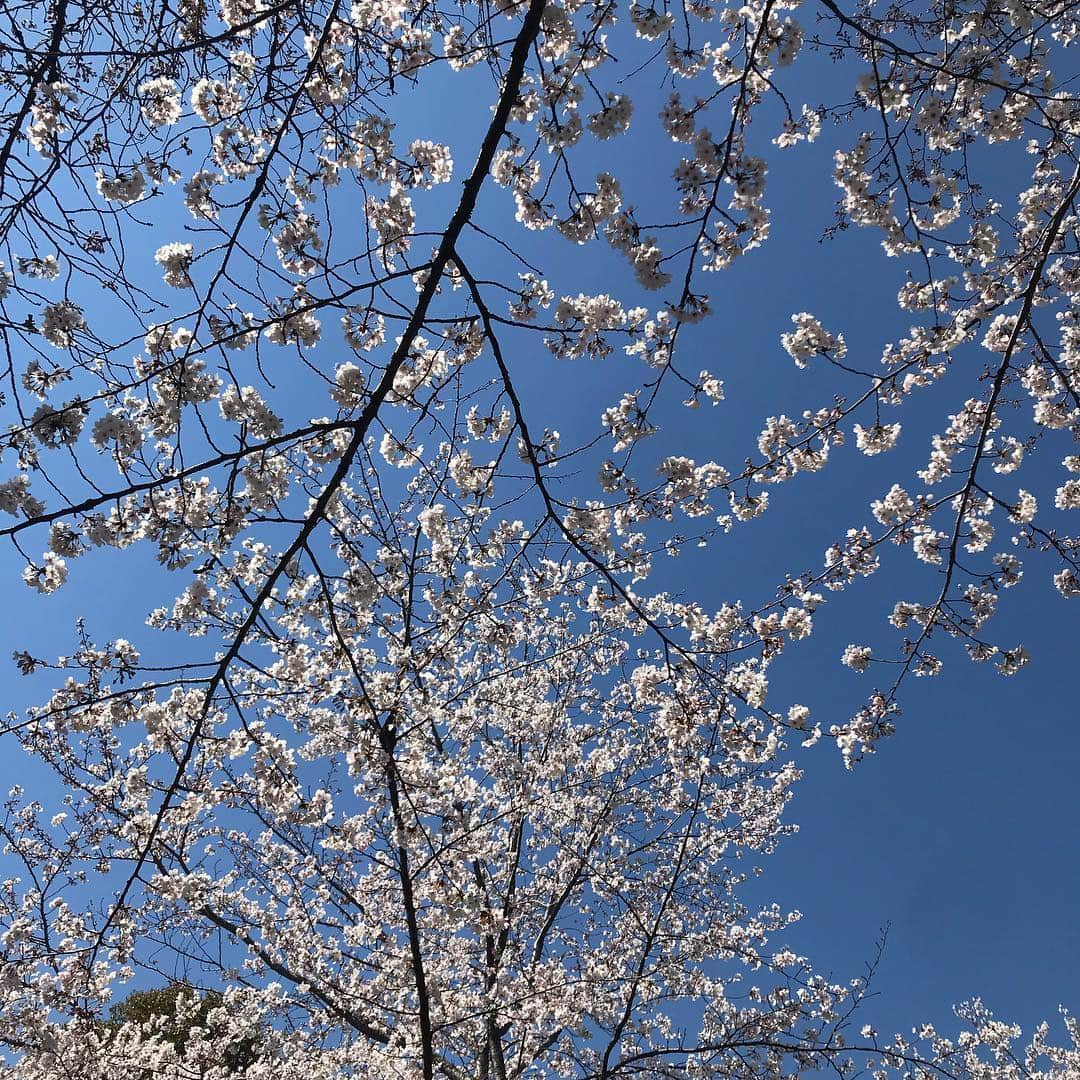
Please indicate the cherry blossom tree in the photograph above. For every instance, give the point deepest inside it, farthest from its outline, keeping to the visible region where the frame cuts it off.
(448, 782)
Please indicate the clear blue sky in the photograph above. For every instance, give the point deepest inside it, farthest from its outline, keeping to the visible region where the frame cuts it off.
(960, 833)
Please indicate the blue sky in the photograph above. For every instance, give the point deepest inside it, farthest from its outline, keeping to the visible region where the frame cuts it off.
(960, 833)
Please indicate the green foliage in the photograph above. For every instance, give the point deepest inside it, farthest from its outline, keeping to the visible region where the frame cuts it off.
(143, 1007)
